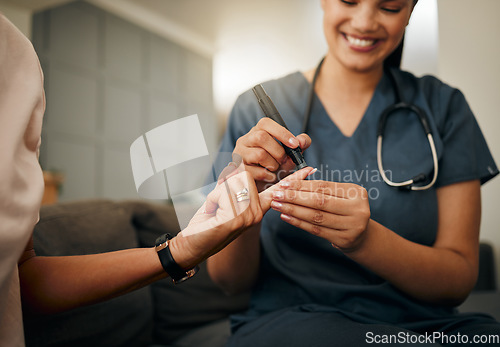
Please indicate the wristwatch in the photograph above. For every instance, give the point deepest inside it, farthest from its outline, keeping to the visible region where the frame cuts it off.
(177, 273)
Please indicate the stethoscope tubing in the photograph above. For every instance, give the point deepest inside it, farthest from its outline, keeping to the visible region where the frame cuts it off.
(408, 183)
(398, 105)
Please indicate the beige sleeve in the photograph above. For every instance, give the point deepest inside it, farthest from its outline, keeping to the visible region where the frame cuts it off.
(22, 105)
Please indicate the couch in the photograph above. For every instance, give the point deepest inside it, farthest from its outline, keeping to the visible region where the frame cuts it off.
(194, 313)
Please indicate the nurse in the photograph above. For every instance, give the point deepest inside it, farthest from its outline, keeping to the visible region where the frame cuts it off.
(344, 259)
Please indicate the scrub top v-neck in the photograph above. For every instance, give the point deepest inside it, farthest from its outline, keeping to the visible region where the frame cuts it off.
(320, 111)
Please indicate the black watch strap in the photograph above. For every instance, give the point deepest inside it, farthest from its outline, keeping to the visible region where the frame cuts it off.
(177, 273)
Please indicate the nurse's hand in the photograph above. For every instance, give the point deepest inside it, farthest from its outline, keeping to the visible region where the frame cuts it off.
(337, 212)
(264, 157)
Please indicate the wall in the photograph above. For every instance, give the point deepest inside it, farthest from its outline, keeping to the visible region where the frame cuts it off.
(264, 40)
(469, 58)
(420, 54)
(107, 82)
(21, 17)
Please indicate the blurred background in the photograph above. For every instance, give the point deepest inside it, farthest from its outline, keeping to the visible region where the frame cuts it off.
(115, 69)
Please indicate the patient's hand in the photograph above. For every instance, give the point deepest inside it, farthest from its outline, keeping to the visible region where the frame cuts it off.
(222, 218)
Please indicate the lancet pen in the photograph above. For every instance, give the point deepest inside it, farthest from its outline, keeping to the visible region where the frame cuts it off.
(271, 111)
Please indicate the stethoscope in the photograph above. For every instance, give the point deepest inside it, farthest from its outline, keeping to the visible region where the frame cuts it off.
(400, 104)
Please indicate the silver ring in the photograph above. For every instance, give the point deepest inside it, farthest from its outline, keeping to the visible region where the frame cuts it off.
(242, 195)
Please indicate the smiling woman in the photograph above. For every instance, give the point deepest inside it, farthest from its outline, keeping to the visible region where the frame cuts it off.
(360, 35)
(333, 263)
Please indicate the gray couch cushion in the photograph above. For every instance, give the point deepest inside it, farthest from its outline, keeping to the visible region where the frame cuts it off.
(86, 227)
(96, 226)
(487, 301)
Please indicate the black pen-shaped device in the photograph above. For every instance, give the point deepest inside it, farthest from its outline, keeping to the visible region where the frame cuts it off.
(270, 110)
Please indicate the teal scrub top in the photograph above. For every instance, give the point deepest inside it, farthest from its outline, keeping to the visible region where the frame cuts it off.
(298, 268)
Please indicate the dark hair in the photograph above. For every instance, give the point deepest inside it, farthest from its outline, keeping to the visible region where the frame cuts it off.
(394, 59)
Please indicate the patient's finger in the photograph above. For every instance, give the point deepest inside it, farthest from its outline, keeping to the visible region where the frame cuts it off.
(266, 196)
(239, 192)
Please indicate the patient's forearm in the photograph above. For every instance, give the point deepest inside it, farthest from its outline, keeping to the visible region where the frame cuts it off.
(53, 284)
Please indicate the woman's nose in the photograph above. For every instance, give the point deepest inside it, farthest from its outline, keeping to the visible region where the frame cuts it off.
(365, 20)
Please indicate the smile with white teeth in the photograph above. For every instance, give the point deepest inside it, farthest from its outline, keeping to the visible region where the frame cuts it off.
(359, 42)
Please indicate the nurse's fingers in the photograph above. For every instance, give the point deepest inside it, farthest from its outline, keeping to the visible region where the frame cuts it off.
(315, 201)
(340, 190)
(279, 132)
(313, 216)
(304, 140)
(267, 195)
(319, 217)
(344, 240)
(258, 147)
